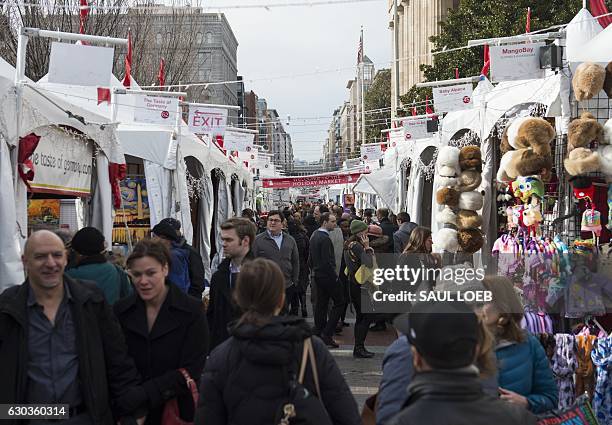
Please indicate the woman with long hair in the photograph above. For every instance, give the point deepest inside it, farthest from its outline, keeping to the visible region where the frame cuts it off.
(165, 329)
(524, 373)
(249, 377)
(417, 255)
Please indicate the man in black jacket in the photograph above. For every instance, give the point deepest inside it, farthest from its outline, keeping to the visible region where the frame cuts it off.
(388, 228)
(323, 264)
(401, 236)
(446, 388)
(60, 343)
(238, 235)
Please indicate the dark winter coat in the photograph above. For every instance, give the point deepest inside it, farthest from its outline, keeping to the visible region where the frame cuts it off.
(388, 229)
(179, 267)
(401, 236)
(245, 378)
(322, 257)
(196, 271)
(107, 373)
(109, 278)
(303, 244)
(222, 310)
(456, 398)
(178, 339)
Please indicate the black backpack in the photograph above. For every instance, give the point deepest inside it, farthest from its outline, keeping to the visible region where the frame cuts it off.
(301, 407)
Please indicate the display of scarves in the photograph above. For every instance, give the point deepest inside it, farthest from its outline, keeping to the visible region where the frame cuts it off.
(602, 400)
(564, 366)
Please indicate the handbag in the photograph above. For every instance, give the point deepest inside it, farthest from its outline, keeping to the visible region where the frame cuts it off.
(368, 413)
(580, 413)
(171, 414)
(302, 407)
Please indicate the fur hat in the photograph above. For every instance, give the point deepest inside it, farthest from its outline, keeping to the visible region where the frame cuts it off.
(534, 133)
(607, 137)
(469, 180)
(467, 219)
(447, 162)
(505, 162)
(525, 187)
(447, 196)
(605, 159)
(470, 158)
(447, 181)
(472, 201)
(608, 80)
(584, 130)
(446, 240)
(447, 216)
(470, 240)
(528, 163)
(582, 161)
(588, 80)
(508, 141)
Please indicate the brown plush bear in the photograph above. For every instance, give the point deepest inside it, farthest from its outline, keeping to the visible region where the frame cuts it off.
(447, 196)
(469, 180)
(588, 80)
(584, 130)
(467, 219)
(608, 80)
(470, 158)
(470, 240)
(582, 161)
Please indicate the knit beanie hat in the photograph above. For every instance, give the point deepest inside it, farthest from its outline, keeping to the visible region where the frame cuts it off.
(176, 225)
(88, 241)
(358, 226)
(165, 230)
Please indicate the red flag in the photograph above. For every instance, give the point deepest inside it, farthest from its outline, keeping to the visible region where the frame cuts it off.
(456, 73)
(127, 80)
(414, 111)
(428, 110)
(160, 76)
(598, 8)
(116, 173)
(487, 61)
(528, 24)
(104, 95)
(83, 12)
(27, 146)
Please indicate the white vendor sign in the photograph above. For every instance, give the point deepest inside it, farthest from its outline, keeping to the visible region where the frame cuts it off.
(62, 166)
(155, 110)
(516, 62)
(371, 152)
(204, 120)
(415, 128)
(453, 98)
(80, 65)
(235, 140)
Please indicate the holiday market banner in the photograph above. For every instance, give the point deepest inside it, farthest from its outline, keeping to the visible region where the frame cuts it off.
(516, 62)
(371, 151)
(315, 180)
(155, 110)
(235, 140)
(453, 98)
(205, 120)
(415, 128)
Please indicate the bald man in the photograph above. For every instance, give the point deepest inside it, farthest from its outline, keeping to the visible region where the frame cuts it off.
(61, 344)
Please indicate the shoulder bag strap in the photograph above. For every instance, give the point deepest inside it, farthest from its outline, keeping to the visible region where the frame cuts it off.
(313, 364)
(304, 361)
(191, 385)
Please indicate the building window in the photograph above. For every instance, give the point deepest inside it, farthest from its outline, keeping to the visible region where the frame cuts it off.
(209, 37)
(159, 38)
(199, 38)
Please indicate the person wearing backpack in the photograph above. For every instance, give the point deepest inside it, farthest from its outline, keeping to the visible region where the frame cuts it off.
(253, 378)
(92, 264)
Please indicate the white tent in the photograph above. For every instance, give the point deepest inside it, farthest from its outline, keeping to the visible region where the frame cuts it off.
(586, 40)
(383, 183)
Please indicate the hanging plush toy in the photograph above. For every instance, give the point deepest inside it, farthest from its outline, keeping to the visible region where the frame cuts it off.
(528, 189)
(588, 80)
(583, 131)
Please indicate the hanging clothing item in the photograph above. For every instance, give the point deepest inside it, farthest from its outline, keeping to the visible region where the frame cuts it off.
(584, 294)
(585, 374)
(591, 221)
(538, 323)
(564, 366)
(602, 400)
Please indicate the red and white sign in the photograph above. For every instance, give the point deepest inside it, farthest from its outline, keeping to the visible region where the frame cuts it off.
(315, 180)
(453, 98)
(204, 120)
(155, 109)
(371, 166)
(371, 151)
(235, 140)
(415, 128)
(516, 62)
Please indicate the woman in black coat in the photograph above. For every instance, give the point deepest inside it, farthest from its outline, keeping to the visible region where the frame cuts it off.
(165, 330)
(246, 379)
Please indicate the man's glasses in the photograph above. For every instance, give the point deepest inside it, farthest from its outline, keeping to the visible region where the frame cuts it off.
(274, 220)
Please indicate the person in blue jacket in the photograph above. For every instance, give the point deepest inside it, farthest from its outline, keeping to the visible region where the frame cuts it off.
(179, 255)
(524, 373)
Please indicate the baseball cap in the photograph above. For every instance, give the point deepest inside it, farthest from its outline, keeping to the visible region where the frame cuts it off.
(444, 333)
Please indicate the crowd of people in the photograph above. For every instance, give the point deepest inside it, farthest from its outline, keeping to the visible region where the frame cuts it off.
(142, 339)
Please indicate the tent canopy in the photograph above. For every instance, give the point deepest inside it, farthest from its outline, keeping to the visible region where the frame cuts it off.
(383, 183)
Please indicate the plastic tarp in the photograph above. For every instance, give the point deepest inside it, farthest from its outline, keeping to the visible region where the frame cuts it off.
(586, 40)
(384, 184)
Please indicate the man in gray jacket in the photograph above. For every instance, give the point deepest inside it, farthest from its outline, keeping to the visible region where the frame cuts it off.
(280, 247)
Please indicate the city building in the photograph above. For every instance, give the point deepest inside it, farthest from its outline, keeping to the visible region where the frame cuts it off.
(308, 168)
(418, 20)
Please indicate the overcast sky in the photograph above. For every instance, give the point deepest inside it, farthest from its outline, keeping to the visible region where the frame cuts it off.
(299, 40)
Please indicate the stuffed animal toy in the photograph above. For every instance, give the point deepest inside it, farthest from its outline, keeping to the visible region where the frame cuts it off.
(584, 130)
(470, 158)
(447, 196)
(470, 240)
(447, 216)
(532, 216)
(447, 162)
(526, 187)
(608, 80)
(605, 159)
(588, 80)
(467, 219)
(446, 240)
(472, 201)
(582, 161)
(469, 180)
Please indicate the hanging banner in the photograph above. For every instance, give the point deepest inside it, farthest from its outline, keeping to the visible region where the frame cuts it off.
(315, 180)
(155, 110)
(516, 62)
(415, 129)
(371, 151)
(396, 136)
(370, 166)
(205, 120)
(234, 140)
(453, 98)
(62, 166)
(247, 156)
